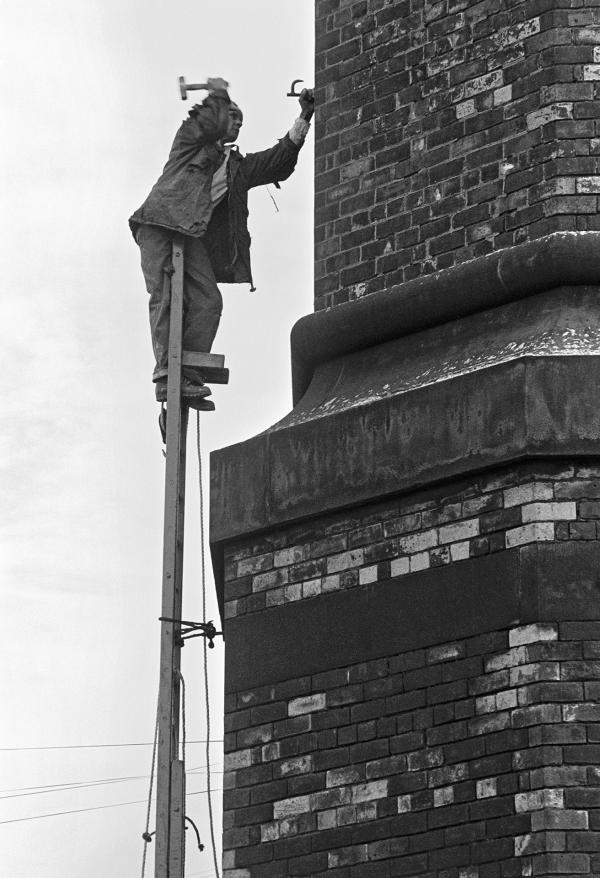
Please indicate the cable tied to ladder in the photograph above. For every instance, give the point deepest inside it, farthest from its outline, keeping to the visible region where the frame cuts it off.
(146, 835)
(183, 723)
(205, 654)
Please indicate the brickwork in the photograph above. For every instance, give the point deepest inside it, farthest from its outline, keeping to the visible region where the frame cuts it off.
(447, 130)
(521, 506)
(412, 684)
(477, 758)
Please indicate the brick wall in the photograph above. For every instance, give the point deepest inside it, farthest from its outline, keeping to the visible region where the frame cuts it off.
(518, 507)
(449, 129)
(477, 758)
(412, 684)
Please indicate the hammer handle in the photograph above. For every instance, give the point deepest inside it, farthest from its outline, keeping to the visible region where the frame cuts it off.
(184, 87)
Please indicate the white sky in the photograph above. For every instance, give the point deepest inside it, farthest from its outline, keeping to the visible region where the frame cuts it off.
(90, 106)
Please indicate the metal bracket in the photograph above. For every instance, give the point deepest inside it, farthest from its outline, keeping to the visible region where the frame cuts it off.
(147, 836)
(292, 93)
(194, 629)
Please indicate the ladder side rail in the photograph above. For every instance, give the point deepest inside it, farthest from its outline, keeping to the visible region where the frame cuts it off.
(170, 651)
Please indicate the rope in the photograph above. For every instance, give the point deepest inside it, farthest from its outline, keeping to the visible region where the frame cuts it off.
(204, 643)
(183, 726)
(154, 746)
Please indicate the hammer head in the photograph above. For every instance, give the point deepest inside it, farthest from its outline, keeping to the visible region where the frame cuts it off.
(209, 85)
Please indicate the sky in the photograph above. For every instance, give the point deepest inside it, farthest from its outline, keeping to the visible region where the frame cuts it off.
(90, 105)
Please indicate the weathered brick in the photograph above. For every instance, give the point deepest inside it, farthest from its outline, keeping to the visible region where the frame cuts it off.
(548, 511)
(400, 566)
(418, 542)
(538, 800)
(532, 634)
(530, 533)
(463, 530)
(255, 564)
(448, 130)
(344, 560)
(271, 579)
(527, 493)
(291, 807)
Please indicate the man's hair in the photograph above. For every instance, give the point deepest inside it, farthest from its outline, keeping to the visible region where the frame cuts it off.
(233, 107)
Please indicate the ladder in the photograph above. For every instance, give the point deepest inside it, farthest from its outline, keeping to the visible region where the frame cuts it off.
(170, 769)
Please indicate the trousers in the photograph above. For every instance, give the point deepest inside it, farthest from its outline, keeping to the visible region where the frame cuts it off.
(202, 300)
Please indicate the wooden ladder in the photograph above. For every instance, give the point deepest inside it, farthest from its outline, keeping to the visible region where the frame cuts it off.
(170, 770)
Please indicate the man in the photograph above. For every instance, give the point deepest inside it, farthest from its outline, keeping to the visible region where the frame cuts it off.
(202, 195)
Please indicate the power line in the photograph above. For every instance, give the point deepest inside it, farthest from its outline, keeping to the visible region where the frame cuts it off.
(19, 792)
(97, 746)
(196, 769)
(95, 808)
(75, 811)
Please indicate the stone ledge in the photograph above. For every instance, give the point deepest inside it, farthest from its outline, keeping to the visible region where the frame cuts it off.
(473, 368)
(508, 412)
(560, 259)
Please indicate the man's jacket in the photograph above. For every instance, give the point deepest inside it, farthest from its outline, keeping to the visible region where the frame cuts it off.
(180, 200)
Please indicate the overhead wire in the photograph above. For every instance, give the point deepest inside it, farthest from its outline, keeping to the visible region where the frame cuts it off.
(93, 808)
(66, 786)
(98, 746)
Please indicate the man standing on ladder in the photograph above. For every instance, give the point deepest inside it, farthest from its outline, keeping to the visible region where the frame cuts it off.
(201, 197)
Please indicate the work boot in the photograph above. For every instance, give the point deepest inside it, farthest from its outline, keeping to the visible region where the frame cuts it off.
(201, 405)
(194, 389)
(189, 389)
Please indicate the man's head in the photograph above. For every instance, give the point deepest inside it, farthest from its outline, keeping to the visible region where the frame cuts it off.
(236, 117)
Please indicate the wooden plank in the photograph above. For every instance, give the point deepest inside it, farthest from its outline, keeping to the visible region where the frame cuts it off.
(170, 651)
(202, 360)
(211, 365)
(216, 376)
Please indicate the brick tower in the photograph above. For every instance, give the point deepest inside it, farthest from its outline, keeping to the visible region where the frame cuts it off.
(409, 563)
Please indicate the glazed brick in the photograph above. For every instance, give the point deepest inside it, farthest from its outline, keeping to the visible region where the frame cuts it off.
(462, 788)
(429, 534)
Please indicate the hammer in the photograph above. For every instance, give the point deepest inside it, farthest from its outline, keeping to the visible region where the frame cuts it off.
(184, 87)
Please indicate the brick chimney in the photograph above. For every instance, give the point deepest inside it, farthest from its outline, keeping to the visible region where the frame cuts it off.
(408, 563)
(448, 130)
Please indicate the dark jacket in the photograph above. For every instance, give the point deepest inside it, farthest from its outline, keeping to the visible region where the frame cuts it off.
(180, 199)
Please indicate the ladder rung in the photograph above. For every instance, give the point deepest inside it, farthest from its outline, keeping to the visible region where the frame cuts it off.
(195, 358)
(216, 376)
(211, 366)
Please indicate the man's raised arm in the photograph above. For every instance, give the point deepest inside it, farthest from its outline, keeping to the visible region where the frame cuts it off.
(276, 164)
(208, 121)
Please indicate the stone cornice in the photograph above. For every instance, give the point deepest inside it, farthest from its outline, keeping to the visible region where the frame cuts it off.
(563, 258)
